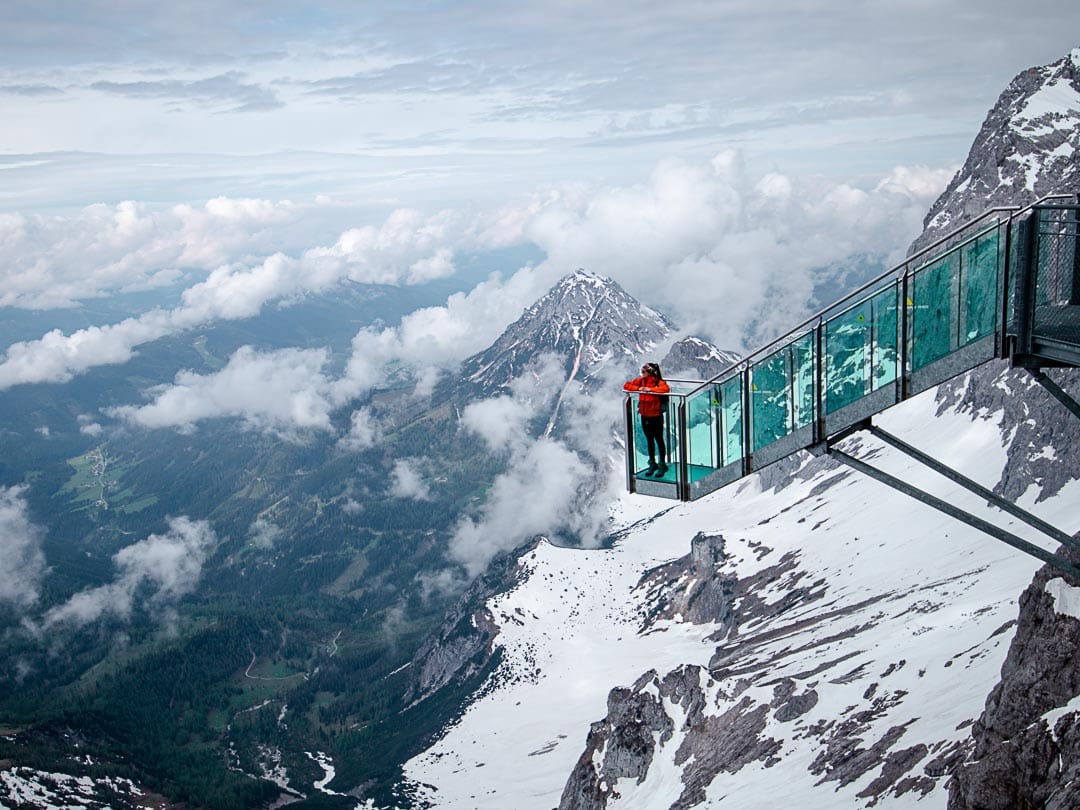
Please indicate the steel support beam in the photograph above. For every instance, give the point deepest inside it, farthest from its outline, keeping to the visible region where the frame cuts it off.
(977, 488)
(959, 514)
(1056, 391)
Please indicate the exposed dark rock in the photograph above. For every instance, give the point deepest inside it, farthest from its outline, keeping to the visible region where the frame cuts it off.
(788, 705)
(692, 586)
(626, 738)
(845, 758)
(463, 646)
(1018, 760)
(897, 764)
(722, 743)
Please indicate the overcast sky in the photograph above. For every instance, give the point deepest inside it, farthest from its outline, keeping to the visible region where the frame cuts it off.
(712, 157)
(401, 103)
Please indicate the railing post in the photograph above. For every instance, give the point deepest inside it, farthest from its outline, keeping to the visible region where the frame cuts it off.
(748, 456)
(1003, 344)
(1025, 280)
(1074, 291)
(819, 382)
(905, 340)
(683, 477)
(628, 416)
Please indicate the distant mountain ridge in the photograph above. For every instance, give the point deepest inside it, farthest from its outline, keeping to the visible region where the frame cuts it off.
(697, 358)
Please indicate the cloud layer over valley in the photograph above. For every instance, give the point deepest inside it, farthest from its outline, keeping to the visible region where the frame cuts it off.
(699, 241)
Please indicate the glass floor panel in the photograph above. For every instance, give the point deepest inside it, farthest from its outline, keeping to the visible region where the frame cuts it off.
(697, 472)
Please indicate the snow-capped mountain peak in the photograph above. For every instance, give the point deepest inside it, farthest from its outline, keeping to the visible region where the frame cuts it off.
(1028, 147)
(586, 319)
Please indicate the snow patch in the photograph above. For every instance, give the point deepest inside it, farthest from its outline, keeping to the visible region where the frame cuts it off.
(1052, 716)
(1066, 597)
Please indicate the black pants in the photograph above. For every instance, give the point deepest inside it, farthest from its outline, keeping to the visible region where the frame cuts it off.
(653, 427)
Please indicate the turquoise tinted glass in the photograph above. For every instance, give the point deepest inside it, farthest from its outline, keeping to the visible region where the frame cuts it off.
(770, 397)
(641, 456)
(802, 363)
(979, 261)
(847, 347)
(782, 391)
(884, 338)
(931, 301)
(702, 420)
(731, 416)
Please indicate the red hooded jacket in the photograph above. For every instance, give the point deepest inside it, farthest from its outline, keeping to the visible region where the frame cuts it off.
(649, 405)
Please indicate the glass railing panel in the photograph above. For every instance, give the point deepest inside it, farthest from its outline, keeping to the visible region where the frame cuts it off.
(770, 398)
(671, 437)
(702, 428)
(847, 342)
(641, 456)
(802, 364)
(782, 391)
(931, 299)
(731, 419)
(1057, 279)
(884, 337)
(981, 281)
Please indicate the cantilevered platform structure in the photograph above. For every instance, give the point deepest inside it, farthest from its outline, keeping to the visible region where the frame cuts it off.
(1006, 285)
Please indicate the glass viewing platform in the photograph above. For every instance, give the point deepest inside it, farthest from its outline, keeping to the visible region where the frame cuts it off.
(1004, 286)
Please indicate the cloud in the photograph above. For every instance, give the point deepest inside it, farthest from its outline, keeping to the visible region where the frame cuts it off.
(88, 427)
(263, 534)
(155, 572)
(432, 339)
(43, 90)
(22, 562)
(363, 431)
(407, 248)
(727, 253)
(539, 494)
(225, 89)
(559, 485)
(407, 480)
(503, 421)
(49, 262)
(283, 392)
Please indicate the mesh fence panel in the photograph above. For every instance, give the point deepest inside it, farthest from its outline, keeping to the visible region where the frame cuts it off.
(1057, 285)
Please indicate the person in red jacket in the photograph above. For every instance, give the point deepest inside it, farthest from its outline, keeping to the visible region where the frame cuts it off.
(651, 409)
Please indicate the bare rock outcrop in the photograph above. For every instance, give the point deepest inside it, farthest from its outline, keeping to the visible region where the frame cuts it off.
(1027, 742)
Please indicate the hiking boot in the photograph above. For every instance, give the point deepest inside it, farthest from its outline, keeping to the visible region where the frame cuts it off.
(661, 470)
(652, 468)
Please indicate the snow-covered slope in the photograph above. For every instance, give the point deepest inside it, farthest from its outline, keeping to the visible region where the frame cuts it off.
(854, 637)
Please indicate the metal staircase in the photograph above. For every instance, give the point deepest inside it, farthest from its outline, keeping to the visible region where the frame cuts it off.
(1004, 286)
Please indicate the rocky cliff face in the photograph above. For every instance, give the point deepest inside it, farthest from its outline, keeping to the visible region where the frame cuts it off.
(1028, 147)
(1027, 742)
